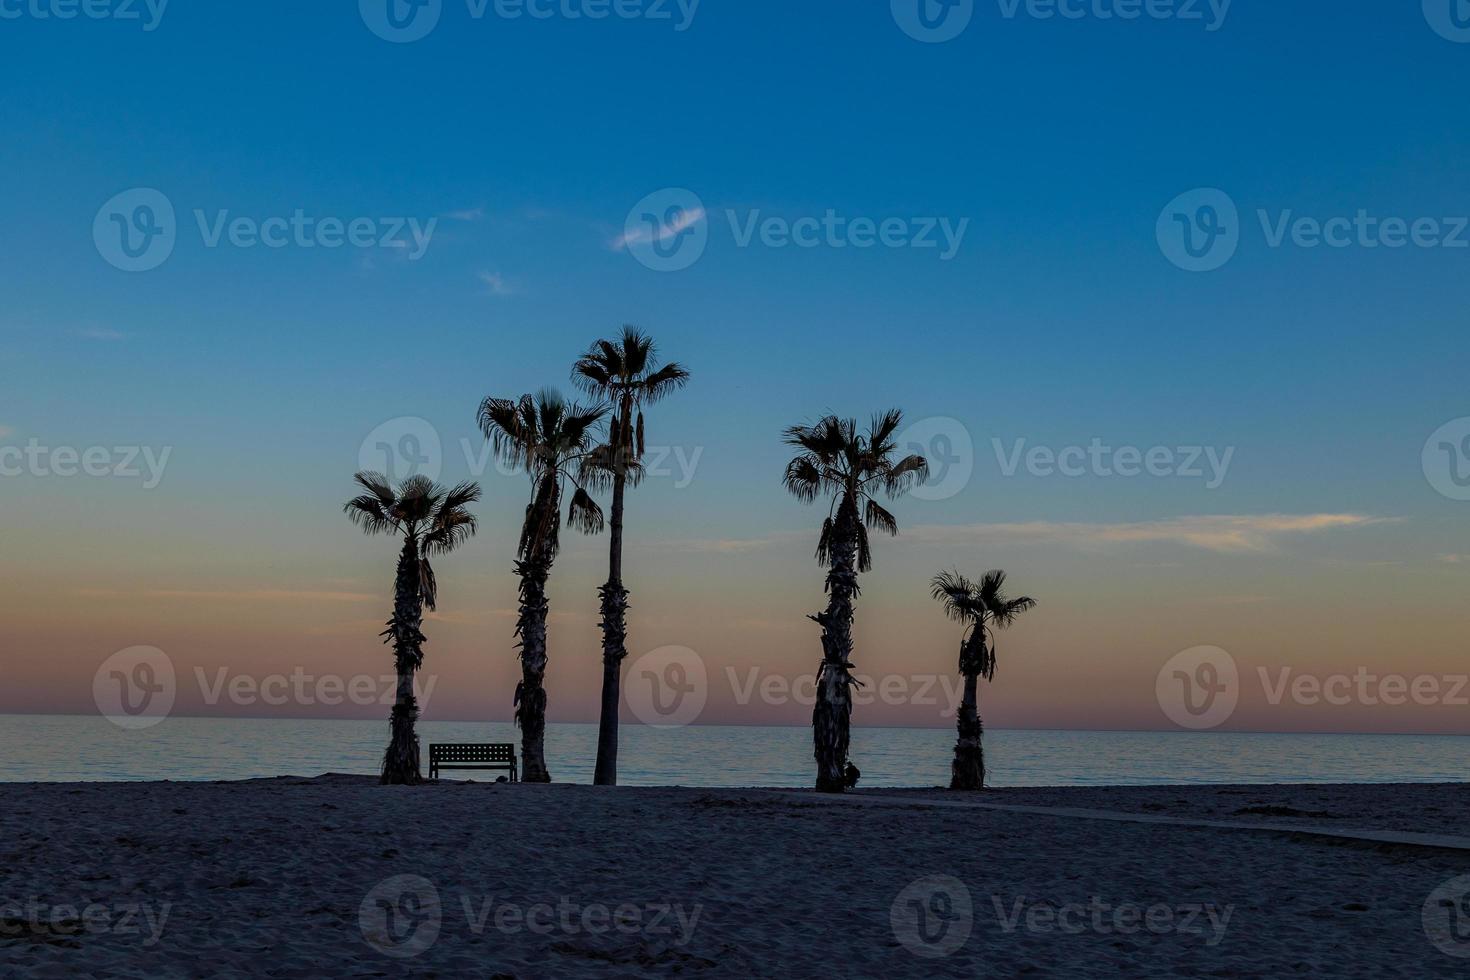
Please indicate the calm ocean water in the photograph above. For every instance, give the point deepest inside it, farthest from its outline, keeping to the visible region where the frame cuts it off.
(64, 748)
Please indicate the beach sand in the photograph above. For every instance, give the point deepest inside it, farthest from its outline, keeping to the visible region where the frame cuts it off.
(339, 877)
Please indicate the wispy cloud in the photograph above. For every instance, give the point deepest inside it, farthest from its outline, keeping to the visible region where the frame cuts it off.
(1225, 533)
(495, 283)
(664, 232)
(718, 546)
(466, 214)
(235, 595)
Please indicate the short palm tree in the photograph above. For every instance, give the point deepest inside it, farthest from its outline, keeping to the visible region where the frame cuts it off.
(549, 439)
(983, 608)
(432, 521)
(624, 373)
(837, 461)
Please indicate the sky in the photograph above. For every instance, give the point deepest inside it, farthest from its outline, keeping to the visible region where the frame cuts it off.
(1251, 439)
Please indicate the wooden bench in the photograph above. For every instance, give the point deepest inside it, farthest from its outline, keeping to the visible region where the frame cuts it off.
(444, 755)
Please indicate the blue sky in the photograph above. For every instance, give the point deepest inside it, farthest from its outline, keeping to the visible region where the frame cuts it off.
(1059, 320)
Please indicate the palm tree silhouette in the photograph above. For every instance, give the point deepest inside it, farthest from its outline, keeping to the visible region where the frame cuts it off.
(550, 440)
(837, 461)
(624, 373)
(983, 608)
(432, 521)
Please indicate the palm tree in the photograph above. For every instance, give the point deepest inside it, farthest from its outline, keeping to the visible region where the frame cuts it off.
(432, 521)
(549, 439)
(983, 609)
(625, 374)
(837, 461)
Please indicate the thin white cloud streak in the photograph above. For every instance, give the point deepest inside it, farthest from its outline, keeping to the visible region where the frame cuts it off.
(239, 595)
(686, 220)
(496, 284)
(1221, 533)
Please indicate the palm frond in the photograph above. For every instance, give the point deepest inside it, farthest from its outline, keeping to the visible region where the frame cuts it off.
(451, 529)
(880, 519)
(367, 513)
(376, 484)
(510, 428)
(899, 479)
(803, 478)
(583, 513)
(865, 550)
(824, 543)
(881, 430)
(428, 584)
(664, 382)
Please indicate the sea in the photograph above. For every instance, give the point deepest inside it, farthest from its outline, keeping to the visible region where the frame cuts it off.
(69, 748)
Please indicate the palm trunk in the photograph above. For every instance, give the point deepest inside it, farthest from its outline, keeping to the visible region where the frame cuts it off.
(969, 757)
(614, 637)
(401, 760)
(832, 714)
(530, 697)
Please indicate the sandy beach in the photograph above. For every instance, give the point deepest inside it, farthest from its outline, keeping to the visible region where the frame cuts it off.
(339, 877)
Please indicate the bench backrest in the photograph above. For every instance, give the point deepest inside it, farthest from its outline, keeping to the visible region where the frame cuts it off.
(491, 753)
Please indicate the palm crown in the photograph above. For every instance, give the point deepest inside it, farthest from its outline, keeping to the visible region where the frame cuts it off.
(983, 607)
(547, 437)
(852, 467)
(432, 517)
(626, 373)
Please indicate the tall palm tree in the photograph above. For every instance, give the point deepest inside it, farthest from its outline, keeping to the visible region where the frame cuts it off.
(983, 608)
(624, 373)
(837, 461)
(549, 439)
(432, 521)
